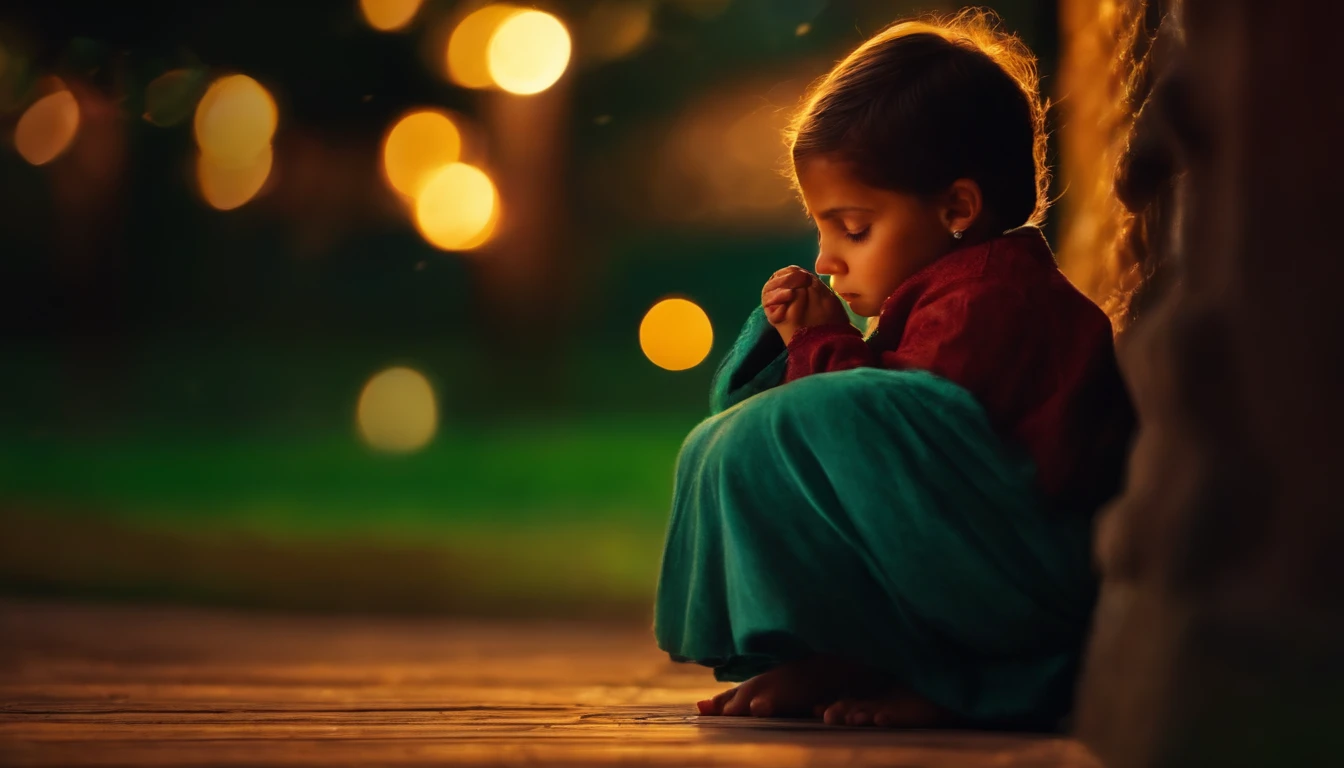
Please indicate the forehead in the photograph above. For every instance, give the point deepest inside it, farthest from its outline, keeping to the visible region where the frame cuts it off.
(827, 183)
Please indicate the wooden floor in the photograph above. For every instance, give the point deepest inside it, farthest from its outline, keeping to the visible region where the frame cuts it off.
(117, 685)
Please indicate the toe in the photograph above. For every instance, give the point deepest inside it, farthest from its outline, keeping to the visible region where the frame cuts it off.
(835, 714)
(859, 716)
(762, 705)
(739, 705)
(715, 705)
(906, 712)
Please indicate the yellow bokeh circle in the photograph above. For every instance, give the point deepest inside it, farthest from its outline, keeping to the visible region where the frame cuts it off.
(457, 209)
(235, 120)
(47, 128)
(528, 52)
(397, 412)
(466, 55)
(676, 334)
(389, 15)
(417, 146)
(225, 185)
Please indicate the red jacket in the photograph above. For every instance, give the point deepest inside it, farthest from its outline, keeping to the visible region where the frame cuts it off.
(999, 319)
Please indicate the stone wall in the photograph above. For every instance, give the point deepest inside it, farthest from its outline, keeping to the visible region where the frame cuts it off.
(1219, 637)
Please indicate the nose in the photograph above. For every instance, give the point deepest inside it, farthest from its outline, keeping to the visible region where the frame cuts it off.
(828, 264)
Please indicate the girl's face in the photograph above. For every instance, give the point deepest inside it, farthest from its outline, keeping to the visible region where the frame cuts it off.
(871, 239)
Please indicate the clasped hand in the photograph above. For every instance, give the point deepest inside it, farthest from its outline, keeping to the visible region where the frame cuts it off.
(794, 298)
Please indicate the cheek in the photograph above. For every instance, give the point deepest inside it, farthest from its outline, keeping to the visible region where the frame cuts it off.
(909, 248)
(890, 251)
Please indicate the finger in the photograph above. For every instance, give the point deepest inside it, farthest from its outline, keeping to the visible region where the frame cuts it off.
(828, 306)
(775, 314)
(781, 296)
(796, 310)
(790, 280)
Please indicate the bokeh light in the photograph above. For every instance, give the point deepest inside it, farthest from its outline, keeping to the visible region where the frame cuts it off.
(47, 128)
(389, 15)
(528, 53)
(676, 334)
(457, 209)
(235, 120)
(418, 145)
(226, 186)
(397, 412)
(616, 28)
(468, 45)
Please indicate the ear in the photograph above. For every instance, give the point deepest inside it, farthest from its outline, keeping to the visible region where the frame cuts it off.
(962, 205)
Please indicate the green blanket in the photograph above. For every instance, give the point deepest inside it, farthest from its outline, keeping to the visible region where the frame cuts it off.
(874, 515)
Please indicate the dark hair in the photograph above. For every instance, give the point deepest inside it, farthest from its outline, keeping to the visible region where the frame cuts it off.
(924, 103)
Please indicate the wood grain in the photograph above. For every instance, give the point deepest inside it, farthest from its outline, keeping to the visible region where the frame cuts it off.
(124, 685)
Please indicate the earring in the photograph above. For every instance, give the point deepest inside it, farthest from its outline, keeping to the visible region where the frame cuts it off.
(957, 233)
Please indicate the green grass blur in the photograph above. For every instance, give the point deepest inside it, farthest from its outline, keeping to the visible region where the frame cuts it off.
(565, 517)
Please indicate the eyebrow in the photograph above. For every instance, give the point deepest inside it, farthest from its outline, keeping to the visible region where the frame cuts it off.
(831, 213)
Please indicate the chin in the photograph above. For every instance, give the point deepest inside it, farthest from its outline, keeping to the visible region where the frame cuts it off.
(862, 309)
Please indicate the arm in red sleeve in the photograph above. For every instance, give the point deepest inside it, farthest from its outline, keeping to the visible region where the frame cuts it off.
(822, 348)
(983, 336)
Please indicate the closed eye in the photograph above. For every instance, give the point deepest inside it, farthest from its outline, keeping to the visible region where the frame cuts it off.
(858, 237)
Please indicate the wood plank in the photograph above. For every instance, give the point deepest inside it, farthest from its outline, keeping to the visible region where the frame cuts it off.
(125, 685)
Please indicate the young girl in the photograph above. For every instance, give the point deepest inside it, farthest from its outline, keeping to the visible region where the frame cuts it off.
(895, 529)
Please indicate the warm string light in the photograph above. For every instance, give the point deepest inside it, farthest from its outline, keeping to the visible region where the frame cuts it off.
(47, 128)
(417, 146)
(397, 411)
(226, 186)
(455, 205)
(676, 334)
(528, 52)
(234, 124)
(458, 208)
(389, 15)
(518, 50)
(466, 57)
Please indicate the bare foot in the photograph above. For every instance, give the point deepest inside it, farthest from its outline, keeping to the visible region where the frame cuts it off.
(895, 708)
(796, 688)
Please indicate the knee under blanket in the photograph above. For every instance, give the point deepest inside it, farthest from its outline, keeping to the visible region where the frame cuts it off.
(875, 515)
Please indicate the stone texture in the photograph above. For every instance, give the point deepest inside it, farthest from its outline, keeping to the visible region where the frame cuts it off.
(1219, 627)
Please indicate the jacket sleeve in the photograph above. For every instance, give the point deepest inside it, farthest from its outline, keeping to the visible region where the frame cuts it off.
(755, 363)
(822, 348)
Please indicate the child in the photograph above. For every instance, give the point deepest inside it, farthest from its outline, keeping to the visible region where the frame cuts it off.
(904, 541)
